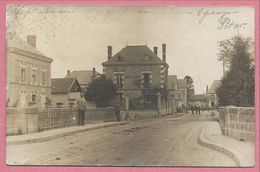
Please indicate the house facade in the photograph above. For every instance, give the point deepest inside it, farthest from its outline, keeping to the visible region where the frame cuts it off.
(138, 72)
(28, 73)
(212, 95)
(198, 100)
(64, 92)
(173, 90)
(181, 95)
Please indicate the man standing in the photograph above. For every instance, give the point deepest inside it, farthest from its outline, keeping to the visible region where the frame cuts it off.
(81, 106)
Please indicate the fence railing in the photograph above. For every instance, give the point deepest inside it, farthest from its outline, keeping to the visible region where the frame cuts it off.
(56, 117)
(28, 120)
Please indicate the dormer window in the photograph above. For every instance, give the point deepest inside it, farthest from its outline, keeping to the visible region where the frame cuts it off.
(119, 58)
(147, 57)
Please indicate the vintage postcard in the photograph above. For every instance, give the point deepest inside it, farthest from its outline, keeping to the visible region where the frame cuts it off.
(131, 85)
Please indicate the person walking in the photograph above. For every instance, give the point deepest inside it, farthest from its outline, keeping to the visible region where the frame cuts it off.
(81, 107)
(199, 109)
(196, 109)
(192, 109)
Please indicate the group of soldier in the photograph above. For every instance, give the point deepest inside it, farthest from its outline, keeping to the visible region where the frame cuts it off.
(195, 109)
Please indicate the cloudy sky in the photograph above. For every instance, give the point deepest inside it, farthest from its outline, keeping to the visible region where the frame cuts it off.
(76, 37)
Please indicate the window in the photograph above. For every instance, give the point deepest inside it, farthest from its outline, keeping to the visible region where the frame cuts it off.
(119, 80)
(34, 76)
(23, 75)
(146, 80)
(43, 77)
(59, 104)
(33, 97)
(119, 58)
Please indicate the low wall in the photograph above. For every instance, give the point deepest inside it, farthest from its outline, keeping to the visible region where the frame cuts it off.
(21, 121)
(238, 122)
(100, 114)
(28, 120)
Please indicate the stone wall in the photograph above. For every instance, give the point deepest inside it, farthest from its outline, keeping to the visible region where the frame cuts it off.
(21, 121)
(238, 122)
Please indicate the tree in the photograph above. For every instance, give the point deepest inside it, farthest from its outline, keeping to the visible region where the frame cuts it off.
(226, 51)
(237, 85)
(190, 87)
(102, 91)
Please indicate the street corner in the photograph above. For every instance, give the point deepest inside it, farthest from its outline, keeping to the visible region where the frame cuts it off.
(206, 139)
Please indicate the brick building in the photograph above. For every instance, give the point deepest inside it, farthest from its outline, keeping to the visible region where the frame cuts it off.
(28, 73)
(139, 74)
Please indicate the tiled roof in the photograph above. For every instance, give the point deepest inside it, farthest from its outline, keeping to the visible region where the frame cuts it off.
(139, 54)
(83, 77)
(197, 97)
(61, 85)
(182, 83)
(172, 81)
(17, 44)
(214, 86)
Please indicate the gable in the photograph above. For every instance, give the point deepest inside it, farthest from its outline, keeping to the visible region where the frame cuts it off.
(134, 55)
(61, 85)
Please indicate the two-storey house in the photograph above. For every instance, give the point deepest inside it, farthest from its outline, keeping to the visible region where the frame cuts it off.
(138, 73)
(28, 73)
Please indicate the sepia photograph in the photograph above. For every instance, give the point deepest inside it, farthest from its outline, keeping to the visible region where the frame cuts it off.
(130, 86)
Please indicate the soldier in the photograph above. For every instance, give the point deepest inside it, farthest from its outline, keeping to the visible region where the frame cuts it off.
(81, 107)
(199, 108)
(192, 109)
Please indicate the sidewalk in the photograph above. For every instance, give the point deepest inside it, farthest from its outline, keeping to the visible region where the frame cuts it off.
(57, 133)
(242, 152)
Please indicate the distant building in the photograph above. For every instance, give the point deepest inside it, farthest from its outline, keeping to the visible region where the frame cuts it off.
(64, 92)
(212, 95)
(181, 95)
(138, 73)
(84, 77)
(28, 73)
(173, 90)
(198, 100)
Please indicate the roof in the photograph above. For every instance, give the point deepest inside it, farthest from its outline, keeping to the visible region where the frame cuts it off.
(139, 54)
(214, 86)
(84, 77)
(61, 85)
(197, 97)
(182, 83)
(171, 80)
(18, 45)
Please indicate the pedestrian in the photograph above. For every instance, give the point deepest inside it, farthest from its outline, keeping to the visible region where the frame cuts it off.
(199, 109)
(192, 109)
(196, 109)
(81, 107)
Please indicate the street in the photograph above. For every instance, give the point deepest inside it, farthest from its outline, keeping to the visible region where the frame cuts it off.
(152, 142)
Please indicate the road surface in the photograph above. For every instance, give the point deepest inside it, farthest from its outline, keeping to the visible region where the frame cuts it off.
(155, 142)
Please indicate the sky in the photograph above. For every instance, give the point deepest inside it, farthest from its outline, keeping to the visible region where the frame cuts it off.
(76, 37)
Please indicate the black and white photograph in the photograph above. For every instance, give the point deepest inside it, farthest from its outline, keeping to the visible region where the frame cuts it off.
(125, 85)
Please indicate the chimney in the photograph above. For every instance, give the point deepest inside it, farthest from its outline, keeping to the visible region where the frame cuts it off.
(155, 50)
(31, 39)
(68, 71)
(207, 89)
(109, 52)
(94, 73)
(164, 52)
